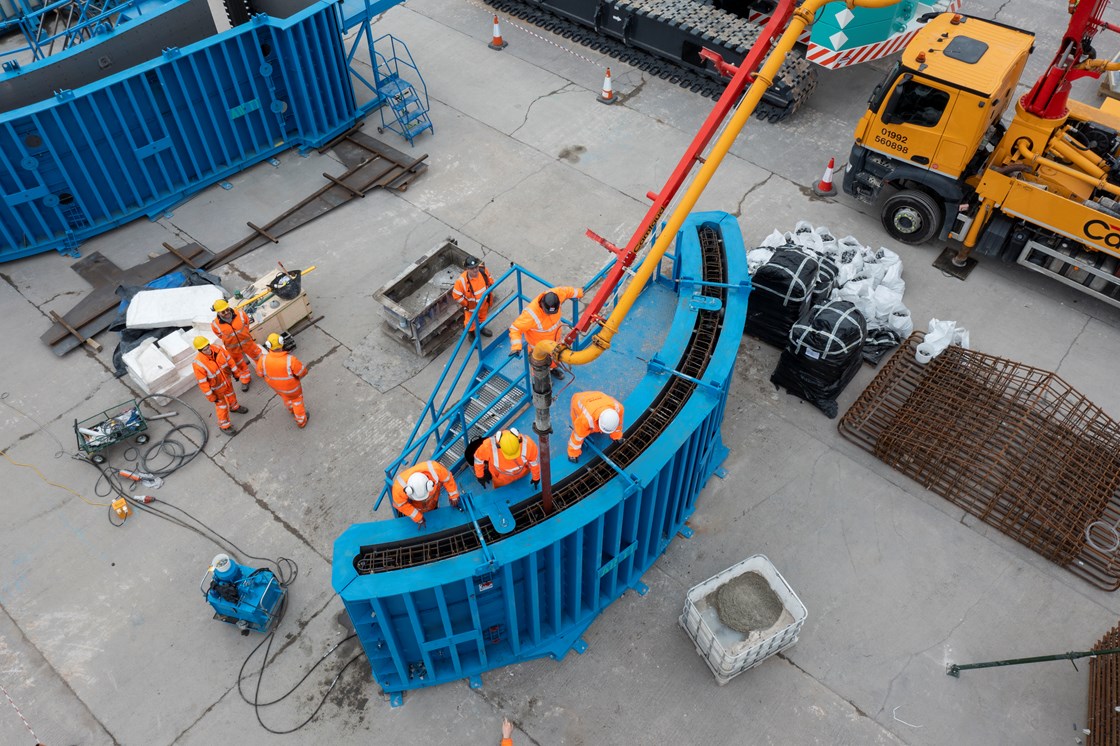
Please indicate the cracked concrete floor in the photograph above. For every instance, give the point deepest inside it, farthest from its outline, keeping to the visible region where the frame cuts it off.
(104, 639)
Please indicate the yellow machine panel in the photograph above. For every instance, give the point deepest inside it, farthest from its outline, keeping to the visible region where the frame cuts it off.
(970, 53)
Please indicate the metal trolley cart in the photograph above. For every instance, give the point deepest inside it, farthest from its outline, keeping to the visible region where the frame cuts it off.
(109, 427)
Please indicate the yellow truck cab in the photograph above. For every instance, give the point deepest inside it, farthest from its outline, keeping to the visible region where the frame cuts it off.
(933, 121)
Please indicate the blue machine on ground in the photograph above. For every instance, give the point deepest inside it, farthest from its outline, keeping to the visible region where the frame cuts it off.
(508, 581)
(245, 597)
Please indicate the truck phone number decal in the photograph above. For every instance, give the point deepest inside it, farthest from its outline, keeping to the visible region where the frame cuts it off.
(892, 140)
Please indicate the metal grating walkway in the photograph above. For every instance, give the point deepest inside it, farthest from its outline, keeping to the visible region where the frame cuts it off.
(495, 409)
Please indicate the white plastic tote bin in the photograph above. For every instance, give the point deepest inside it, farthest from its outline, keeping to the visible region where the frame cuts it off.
(729, 652)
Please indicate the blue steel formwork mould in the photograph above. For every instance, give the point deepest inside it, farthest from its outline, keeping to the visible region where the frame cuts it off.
(138, 142)
(461, 598)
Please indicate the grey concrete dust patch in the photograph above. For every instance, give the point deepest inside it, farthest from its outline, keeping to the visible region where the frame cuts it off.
(383, 362)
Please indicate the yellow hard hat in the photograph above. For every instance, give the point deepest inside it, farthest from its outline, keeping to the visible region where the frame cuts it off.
(220, 305)
(510, 443)
(200, 342)
(273, 341)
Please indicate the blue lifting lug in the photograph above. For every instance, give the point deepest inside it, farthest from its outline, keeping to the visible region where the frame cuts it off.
(641, 588)
(64, 95)
(396, 699)
(11, 66)
(686, 531)
(475, 681)
(171, 53)
(580, 645)
(260, 19)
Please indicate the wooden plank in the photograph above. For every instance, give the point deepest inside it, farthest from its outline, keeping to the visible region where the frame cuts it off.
(89, 341)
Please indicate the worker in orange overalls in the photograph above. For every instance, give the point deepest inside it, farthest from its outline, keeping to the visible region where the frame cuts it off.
(593, 412)
(282, 371)
(416, 490)
(505, 457)
(540, 321)
(213, 371)
(231, 325)
(468, 289)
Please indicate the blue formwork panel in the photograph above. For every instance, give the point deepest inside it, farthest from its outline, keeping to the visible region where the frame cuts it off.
(136, 143)
(533, 591)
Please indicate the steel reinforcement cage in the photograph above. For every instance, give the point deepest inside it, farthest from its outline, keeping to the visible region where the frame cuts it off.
(136, 143)
(431, 608)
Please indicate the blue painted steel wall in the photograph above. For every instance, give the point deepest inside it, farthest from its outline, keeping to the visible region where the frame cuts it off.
(138, 142)
(459, 617)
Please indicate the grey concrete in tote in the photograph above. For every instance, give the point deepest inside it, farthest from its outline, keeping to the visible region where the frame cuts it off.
(104, 638)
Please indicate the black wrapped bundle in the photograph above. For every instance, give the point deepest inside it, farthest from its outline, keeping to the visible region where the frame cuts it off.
(780, 294)
(826, 281)
(823, 354)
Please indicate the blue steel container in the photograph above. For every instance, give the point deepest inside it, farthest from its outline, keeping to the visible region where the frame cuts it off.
(138, 142)
(532, 592)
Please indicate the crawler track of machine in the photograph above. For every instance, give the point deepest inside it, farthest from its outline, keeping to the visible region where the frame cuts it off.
(583, 483)
(664, 38)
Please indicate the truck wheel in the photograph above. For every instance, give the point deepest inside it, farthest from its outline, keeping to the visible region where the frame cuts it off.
(911, 216)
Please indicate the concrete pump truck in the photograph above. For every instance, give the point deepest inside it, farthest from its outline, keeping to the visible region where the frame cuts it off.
(933, 152)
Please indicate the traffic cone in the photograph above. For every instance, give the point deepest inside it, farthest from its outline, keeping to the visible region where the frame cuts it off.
(607, 96)
(496, 42)
(824, 187)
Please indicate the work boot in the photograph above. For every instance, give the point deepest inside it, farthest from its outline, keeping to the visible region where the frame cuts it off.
(574, 459)
(242, 409)
(245, 386)
(485, 332)
(231, 430)
(306, 419)
(470, 336)
(558, 374)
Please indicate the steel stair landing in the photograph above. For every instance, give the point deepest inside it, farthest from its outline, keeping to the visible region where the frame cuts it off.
(489, 400)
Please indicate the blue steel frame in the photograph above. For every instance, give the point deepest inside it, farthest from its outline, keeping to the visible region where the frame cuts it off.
(136, 143)
(533, 593)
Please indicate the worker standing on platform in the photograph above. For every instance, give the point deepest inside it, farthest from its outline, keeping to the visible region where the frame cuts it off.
(282, 371)
(470, 286)
(213, 370)
(416, 490)
(505, 457)
(593, 412)
(540, 321)
(231, 325)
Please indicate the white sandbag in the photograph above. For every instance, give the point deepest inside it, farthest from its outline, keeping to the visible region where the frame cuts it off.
(939, 335)
(805, 235)
(885, 301)
(153, 309)
(849, 262)
(858, 292)
(774, 240)
(757, 257)
(901, 322)
(829, 244)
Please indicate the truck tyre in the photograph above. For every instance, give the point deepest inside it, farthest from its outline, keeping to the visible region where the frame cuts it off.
(912, 216)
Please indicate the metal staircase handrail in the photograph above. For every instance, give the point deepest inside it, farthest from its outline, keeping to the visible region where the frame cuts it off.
(445, 412)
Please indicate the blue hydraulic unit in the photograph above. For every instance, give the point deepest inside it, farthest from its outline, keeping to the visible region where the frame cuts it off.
(507, 581)
(245, 597)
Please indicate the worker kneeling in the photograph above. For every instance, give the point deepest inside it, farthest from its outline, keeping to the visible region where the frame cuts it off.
(282, 371)
(593, 412)
(540, 321)
(416, 490)
(505, 457)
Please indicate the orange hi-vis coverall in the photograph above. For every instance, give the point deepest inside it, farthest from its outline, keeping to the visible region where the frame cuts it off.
(586, 408)
(282, 370)
(534, 325)
(239, 343)
(211, 373)
(467, 291)
(507, 470)
(441, 479)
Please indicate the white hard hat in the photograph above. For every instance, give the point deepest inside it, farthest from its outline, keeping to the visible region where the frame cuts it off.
(608, 421)
(419, 486)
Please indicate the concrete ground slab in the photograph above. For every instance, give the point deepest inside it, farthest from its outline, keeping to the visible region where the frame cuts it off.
(103, 636)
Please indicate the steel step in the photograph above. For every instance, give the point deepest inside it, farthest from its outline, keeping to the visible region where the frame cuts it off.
(487, 400)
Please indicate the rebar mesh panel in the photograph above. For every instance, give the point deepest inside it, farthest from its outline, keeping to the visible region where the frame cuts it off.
(1013, 445)
(1103, 723)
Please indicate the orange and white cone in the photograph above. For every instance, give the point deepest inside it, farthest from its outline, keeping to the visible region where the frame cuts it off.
(496, 42)
(607, 96)
(824, 188)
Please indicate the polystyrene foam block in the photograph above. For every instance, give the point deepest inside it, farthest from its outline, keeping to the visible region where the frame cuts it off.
(176, 346)
(182, 383)
(153, 309)
(156, 368)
